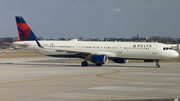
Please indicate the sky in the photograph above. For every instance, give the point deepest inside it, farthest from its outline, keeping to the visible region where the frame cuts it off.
(92, 18)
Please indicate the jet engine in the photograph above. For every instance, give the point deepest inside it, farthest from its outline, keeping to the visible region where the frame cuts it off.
(99, 59)
(118, 60)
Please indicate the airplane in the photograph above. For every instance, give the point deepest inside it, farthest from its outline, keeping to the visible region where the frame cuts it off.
(98, 52)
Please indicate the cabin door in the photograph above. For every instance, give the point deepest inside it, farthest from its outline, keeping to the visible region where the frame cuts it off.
(155, 49)
(120, 49)
(78, 47)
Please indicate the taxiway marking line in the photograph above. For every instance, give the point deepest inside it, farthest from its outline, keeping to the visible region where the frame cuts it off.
(58, 77)
(49, 86)
(118, 71)
(100, 75)
(46, 78)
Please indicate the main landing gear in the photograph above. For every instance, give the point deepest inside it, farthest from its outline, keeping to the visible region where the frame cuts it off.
(84, 63)
(157, 64)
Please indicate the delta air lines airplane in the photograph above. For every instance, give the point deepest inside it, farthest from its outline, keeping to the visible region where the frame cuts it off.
(98, 52)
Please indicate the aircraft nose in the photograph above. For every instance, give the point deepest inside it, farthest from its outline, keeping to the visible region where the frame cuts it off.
(175, 54)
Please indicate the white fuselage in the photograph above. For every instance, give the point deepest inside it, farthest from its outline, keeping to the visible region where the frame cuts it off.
(125, 50)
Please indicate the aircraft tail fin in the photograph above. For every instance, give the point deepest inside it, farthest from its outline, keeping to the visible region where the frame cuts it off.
(25, 32)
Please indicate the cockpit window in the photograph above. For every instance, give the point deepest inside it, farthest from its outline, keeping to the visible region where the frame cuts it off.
(167, 48)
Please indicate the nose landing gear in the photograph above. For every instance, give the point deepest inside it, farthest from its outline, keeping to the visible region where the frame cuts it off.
(157, 64)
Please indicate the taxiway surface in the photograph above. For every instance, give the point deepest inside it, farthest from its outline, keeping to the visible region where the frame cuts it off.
(48, 79)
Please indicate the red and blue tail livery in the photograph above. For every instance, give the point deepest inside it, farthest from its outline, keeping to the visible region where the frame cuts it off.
(25, 32)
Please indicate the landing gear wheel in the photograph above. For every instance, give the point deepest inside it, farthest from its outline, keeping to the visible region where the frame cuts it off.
(84, 63)
(98, 64)
(157, 64)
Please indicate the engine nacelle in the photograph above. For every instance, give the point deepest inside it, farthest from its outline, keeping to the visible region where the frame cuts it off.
(118, 60)
(99, 59)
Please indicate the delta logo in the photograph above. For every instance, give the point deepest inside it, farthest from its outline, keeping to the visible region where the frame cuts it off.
(51, 44)
(142, 45)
